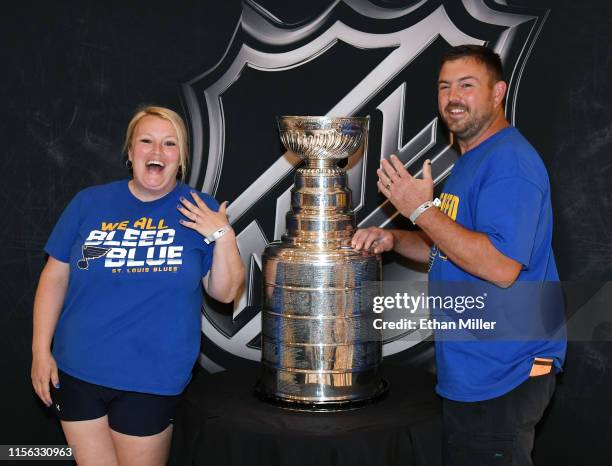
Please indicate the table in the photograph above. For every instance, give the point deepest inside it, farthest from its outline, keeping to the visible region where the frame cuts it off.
(220, 422)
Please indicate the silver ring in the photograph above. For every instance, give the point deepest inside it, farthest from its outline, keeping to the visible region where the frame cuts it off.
(388, 186)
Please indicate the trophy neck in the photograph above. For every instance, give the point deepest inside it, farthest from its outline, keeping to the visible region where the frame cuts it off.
(321, 214)
(321, 163)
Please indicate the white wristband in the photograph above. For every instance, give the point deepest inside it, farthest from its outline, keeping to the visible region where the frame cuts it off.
(215, 235)
(422, 208)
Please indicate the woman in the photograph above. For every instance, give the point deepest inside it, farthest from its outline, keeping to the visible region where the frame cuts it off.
(120, 296)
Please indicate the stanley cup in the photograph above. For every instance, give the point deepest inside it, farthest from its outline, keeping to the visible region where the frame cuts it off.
(319, 348)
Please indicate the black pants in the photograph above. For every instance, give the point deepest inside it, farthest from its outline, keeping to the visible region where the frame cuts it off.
(496, 432)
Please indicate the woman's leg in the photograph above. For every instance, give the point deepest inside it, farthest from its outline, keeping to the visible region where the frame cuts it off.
(151, 450)
(81, 407)
(141, 428)
(91, 442)
(112, 427)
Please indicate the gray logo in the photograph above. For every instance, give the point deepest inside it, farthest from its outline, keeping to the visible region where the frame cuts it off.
(266, 47)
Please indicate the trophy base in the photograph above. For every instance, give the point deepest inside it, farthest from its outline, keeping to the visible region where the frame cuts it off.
(321, 405)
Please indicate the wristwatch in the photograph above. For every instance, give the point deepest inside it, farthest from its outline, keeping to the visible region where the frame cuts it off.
(422, 208)
(215, 235)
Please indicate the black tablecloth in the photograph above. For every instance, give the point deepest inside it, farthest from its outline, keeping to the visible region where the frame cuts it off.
(221, 423)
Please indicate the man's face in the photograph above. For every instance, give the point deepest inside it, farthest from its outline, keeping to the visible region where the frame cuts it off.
(467, 97)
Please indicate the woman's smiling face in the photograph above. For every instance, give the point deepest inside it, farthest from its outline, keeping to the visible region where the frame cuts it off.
(154, 153)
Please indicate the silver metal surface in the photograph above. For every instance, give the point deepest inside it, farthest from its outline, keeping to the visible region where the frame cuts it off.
(319, 345)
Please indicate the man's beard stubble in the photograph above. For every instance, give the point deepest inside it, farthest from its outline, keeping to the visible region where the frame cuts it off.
(470, 126)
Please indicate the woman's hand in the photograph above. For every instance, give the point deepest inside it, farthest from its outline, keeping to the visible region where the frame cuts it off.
(44, 371)
(202, 219)
(226, 275)
(47, 308)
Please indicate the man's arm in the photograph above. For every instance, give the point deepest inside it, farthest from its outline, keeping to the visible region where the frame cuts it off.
(469, 250)
(414, 245)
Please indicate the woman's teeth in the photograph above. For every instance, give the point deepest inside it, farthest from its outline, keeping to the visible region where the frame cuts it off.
(155, 165)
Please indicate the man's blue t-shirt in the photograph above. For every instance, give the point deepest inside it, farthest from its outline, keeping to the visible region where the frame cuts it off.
(499, 188)
(131, 315)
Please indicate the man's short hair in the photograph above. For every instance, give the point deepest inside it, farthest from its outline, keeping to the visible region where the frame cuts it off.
(481, 54)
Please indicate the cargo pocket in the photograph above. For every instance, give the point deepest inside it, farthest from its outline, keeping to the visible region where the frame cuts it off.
(482, 449)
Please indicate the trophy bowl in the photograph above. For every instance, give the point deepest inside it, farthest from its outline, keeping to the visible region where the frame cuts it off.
(322, 137)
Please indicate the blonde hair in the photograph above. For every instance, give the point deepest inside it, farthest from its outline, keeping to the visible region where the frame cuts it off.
(178, 124)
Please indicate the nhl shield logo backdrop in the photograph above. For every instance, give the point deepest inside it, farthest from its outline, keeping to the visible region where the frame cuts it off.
(356, 58)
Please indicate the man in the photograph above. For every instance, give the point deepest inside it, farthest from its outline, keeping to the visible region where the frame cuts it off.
(495, 226)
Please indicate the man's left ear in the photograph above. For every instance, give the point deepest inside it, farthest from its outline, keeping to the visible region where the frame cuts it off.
(499, 90)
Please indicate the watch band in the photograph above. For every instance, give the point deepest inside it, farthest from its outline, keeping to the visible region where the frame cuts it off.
(215, 235)
(422, 208)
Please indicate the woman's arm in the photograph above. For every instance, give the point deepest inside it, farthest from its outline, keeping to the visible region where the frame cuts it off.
(226, 275)
(47, 308)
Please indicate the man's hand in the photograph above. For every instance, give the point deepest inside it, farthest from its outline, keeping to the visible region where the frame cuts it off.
(373, 239)
(404, 191)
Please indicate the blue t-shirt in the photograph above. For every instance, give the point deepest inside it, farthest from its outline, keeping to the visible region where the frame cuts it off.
(499, 188)
(131, 315)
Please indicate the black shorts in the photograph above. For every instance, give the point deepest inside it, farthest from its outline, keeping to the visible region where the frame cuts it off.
(130, 413)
